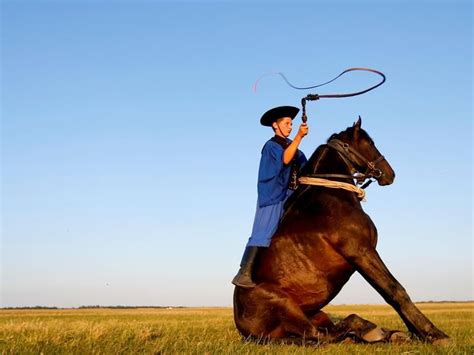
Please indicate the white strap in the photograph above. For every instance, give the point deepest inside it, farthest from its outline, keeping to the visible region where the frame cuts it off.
(332, 185)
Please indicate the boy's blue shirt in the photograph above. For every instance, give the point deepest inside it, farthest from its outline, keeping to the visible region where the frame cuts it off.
(273, 175)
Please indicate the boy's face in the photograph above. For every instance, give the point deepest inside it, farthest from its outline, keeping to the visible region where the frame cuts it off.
(283, 126)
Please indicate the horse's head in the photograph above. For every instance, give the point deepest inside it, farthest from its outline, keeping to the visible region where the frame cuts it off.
(362, 153)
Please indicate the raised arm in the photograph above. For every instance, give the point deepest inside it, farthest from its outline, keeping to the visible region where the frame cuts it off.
(290, 152)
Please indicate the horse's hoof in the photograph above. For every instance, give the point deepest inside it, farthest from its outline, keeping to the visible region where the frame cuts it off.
(442, 342)
(398, 337)
(375, 335)
(348, 340)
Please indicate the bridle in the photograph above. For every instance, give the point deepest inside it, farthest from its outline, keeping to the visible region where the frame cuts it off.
(353, 158)
(355, 161)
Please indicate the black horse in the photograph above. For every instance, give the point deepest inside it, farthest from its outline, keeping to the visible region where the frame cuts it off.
(323, 238)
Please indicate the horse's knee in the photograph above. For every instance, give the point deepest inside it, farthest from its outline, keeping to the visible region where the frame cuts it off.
(355, 323)
(278, 332)
(353, 319)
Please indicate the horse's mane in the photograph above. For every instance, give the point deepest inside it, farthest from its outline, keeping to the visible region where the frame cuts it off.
(309, 168)
(348, 135)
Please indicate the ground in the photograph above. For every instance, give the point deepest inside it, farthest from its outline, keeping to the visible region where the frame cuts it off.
(205, 331)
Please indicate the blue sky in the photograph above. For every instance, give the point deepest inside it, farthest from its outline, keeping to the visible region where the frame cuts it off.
(131, 142)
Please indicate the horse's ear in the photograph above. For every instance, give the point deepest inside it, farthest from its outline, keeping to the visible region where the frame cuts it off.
(356, 127)
(357, 124)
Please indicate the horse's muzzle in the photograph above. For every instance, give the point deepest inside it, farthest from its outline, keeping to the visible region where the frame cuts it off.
(386, 179)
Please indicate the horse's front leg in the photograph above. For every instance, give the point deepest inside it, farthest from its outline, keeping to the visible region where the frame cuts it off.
(372, 268)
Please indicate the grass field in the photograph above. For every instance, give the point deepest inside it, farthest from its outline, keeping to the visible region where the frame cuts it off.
(204, 331)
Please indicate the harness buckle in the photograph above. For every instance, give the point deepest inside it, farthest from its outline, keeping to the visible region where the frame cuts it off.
(378, 173)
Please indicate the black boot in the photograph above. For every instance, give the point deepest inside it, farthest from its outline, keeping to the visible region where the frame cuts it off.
(244, 276)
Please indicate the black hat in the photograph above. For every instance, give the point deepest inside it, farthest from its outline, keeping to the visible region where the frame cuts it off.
(278, 112)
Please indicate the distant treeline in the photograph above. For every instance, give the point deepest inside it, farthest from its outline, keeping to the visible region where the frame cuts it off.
(95, 307)
(132, 307)
(444, 301)
(170, 307)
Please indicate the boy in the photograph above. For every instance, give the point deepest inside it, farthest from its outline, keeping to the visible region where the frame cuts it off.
(277, 177)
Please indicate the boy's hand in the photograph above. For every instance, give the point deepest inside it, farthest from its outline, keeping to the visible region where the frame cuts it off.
(303, 130)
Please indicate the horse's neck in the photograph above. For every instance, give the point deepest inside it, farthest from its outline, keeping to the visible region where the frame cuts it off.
(329, 161)
(324, 160)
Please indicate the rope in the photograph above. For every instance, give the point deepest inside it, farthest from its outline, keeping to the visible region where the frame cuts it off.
(333, 185)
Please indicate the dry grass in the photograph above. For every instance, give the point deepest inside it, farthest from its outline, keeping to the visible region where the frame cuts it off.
(204, 331)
